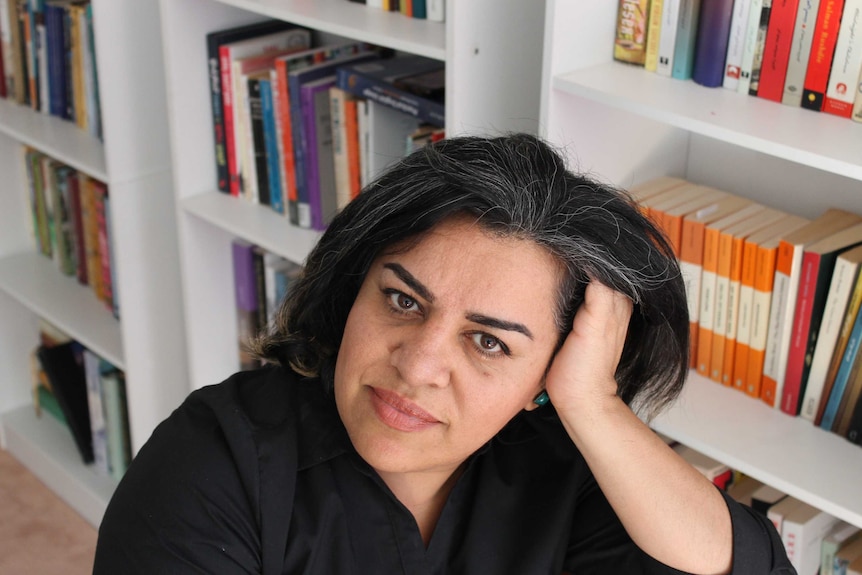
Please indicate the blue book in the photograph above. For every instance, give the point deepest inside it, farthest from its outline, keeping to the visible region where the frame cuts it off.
(295, 80)
(686, 37)
(411, 84)
(845, 370)
(273, 170)
(713, 34)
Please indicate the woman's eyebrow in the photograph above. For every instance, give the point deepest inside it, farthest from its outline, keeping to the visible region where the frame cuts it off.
(411, 281)
(500, 324)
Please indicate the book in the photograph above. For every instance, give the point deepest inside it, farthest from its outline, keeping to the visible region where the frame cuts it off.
(63, 364)
(245, 298)
(854, 424)
(270, 144)
(846, 63)
(715, 471)
(845, 377)
(802, 533)
(736, 43)
(824, 36)
(342, 109)
(838, 300)
(295, 79)
(731, 242)
(848, 402)
(757, 60)
(666, 210)
(742, 489)
(776, 49)
(708, 322)
(642, 191)
(320, 175)
(631, 31)
(388, 131)
(780, 510)
(749, 46)
(254, 170)
(214, 40)
(436, 10)
(667, 36)
(653, 35)
(788, 266)
(283, 66)
(686, 38)
(691, 257)
(289, 38)
(98, 427)
(818, 263)
(385, 81)
(840, 534)
(758, 268)
(847, 555)
(713, 33)
(800, 52)
(113, 384)
(764, 497)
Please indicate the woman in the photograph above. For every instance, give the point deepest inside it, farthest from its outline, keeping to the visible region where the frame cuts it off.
(403, 422)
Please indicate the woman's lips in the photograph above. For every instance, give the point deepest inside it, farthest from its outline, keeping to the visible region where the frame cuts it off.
(398, 413)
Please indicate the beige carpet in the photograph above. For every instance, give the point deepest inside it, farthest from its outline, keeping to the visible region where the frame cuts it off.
(39, 533)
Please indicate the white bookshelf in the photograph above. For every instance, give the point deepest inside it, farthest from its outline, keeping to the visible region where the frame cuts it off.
(492, 85)
(626, 125)
(148, 342)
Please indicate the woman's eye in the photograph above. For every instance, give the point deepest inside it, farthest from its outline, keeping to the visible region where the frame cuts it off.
(489, 345)
(402, 302)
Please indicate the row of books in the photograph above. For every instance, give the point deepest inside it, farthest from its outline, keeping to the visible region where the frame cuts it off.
(301, 128)
(72, 223)
(815, 541)
(800, 53)
(261, 280)
(86, 394)
(428, 9)
(773, 298)
(48, 59)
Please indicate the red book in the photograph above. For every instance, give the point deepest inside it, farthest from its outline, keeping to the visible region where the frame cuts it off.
(822, 48)
(776, 50)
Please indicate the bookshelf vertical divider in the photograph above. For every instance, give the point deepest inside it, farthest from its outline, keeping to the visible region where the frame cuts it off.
(627, 125)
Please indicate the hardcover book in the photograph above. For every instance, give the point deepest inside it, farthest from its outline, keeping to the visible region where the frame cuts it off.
(713, 32)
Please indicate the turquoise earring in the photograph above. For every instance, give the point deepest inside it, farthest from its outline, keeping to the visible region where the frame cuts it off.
(542, 398)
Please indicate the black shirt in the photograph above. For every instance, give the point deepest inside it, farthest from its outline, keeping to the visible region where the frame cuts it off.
(257, 475)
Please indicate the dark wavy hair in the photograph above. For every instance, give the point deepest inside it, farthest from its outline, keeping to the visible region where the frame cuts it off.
(513, 185)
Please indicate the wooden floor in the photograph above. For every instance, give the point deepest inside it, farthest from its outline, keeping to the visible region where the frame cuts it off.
(39, 533)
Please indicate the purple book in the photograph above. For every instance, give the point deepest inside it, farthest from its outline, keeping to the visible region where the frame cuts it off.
(245, 289)
(713, 32)
(320, 163)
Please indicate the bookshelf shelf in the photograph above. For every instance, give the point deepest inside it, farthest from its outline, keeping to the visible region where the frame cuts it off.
(34, 280)
(58, 138)
(788, 453)
(815, 140)
(628, 125)
(48, 450)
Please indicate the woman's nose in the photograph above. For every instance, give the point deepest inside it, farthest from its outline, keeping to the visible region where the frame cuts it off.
(424, 356)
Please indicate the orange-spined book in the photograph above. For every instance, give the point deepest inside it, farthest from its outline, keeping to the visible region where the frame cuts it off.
(642, 191)
(755, 294)
(818, 264)
(709, 283)
(728, 283)
(656, 205)
(788, 266)
(670, 219)
(691, 256)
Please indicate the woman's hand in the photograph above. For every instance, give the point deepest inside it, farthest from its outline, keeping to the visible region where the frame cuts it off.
(582, 374)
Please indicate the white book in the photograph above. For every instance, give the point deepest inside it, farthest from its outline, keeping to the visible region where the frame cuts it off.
(800, 48)
(363, 135)
(802, 533)
(436, 10)
(840, 287)
(780, 510)
(846, 62)
(388, 133)
(754, 36)
(736, 43)
(667, 39)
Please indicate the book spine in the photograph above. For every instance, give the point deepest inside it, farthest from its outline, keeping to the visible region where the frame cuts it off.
(631, 32)
(386, 94)
(749, 45)
(436, 10)
(737, 367)
(322, 118)
(287, 157)
(846, 63)
(757, 63)
(279, 203)
(245, 294)
(709, 280)
(736, 44)
(722, 306)
(217, 116)
(312, 162)
(338, 111)
(691, 266)
(760, 322)
(98, 426)
(270, 150)
(713, 32)
(846, 373)
(854, 427)
(653, 35)
(686, 38)
(353, 163)
(800, 51)
(300, 152)
(824, 36)
(667, 38)
(802, 321)
(778, 338)
(229, 124)
(776, 50)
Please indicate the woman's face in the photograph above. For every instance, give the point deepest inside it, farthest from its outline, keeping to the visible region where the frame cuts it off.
(445, 343)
